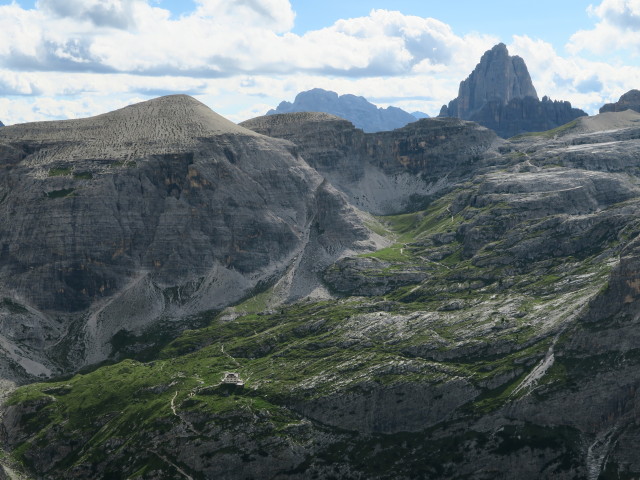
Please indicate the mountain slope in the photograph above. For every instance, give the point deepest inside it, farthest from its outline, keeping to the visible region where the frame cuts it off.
(147, 215)
(496, 338)
(355, 109)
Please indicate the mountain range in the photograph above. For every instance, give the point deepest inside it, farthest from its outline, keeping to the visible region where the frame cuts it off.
(498, 94)
(429, 302)
(357, 110)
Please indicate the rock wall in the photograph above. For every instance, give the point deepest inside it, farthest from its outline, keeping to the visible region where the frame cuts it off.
(386, 172)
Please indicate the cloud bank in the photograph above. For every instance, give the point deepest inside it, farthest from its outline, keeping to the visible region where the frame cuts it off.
(242, 56)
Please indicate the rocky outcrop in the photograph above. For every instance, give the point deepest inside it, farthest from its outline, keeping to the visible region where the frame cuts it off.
(159, 210)
(371, 276)
(1, 124)
(499, 95)
(357, 110)
(630, 100)
(385, 172)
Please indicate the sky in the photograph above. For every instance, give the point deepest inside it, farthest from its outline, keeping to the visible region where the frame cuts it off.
(75, 58)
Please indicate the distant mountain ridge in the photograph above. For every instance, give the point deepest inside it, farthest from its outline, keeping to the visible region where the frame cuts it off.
(358, 110)
(500, 95)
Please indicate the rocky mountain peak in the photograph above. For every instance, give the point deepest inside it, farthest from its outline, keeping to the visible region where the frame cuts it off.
(168, 124)
(173, 114)
(499, 95)
(498, 77)
(630, 100)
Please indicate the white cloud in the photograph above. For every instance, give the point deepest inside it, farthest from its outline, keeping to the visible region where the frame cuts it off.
(241, 51)
(69, 58)
(623, 13)
(618, 28)
(222, 38)
(276, 15)
(100, 13)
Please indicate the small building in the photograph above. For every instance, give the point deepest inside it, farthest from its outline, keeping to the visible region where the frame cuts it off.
(232, 378)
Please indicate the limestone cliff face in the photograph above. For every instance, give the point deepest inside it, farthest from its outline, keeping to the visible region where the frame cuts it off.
(630, 100)
(357, 110)
(500, 95)
(159, 210)
(385, 172)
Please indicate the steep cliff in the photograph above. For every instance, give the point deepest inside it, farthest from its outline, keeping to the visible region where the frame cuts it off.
(522, 115)
(630, 100)
(385, 172)
(498, 78)
(499, 95)
(357, 110)
(151, 214)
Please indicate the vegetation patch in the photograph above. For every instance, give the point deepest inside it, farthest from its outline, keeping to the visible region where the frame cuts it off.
(59, 171)
(549, 133)
(65, 192)
(13, 306)
(83, 175)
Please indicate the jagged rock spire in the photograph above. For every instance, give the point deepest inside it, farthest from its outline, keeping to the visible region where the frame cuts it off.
(499, 95)
(498, 77)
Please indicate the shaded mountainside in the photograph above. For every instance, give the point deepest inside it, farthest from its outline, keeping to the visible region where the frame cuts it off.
(494, 338)
(385, 172)
(630, 100)
(357, 110)
(499, 94)
(152, 213)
